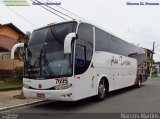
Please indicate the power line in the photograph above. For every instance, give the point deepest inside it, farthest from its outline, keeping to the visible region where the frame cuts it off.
(51, 11)
(21, 16)
(57, 10)
(69, 11)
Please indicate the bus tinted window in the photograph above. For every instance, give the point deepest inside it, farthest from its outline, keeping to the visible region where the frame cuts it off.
(84, 48)
(107, 42)
(40, 35)
(114, 45)
(101, 40)
(123, 49)
(85, 32)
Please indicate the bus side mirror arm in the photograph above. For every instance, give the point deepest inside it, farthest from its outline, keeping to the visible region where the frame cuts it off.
(14, 49)
(68, 41)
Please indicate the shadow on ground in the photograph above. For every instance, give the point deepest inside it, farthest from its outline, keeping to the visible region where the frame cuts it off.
(70, 106)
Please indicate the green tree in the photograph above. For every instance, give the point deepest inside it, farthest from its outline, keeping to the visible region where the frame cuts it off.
(20, 53)
(22, 39)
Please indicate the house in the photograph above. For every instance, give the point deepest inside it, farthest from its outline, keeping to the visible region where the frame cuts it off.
(155, 68)
(149, 55)
(9, 35)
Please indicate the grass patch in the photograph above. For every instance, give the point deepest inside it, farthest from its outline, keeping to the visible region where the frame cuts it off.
(153, 75)
(10, 83)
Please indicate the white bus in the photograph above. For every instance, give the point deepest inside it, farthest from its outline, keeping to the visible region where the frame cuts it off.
(74, 60)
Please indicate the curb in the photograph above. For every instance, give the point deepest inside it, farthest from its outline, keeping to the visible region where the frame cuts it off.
(10, 89)
(24, 104)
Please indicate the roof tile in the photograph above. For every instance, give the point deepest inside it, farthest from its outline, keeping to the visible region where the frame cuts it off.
(7, 42)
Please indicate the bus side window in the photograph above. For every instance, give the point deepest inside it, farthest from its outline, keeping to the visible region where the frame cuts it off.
(84, 48)
(80, 59)
(102, 40)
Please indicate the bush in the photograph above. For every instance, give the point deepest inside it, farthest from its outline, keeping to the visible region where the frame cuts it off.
(18, 72)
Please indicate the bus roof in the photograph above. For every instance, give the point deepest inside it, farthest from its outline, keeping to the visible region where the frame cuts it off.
(83, 21)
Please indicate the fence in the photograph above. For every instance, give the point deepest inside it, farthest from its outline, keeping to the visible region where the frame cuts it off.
(7, 65)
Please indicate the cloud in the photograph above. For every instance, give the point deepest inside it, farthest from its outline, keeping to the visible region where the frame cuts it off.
(135, 24)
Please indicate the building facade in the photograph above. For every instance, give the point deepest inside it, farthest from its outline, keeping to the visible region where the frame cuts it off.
(149, 61)
(9, 35)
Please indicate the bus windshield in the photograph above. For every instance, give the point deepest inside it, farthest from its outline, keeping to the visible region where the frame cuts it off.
(44, 56)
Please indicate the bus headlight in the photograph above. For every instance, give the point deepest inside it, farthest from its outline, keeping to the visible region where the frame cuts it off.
(63, 86)
(26, 86)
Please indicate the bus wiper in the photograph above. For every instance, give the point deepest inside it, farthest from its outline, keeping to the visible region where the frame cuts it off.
(38, 60)
(34, 66)
(47, 66)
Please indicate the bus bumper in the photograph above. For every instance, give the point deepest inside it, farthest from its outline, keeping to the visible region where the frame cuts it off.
(62, 95)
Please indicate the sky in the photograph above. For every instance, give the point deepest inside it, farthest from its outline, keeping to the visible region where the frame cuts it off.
(136, 24)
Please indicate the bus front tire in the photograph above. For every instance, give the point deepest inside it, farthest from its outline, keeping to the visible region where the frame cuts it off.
(139, 83)
(102, 90)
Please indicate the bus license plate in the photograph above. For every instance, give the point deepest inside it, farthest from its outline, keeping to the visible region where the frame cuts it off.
(40, 95)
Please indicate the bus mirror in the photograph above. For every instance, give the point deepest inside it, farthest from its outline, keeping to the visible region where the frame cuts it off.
(68, 42)
(14, 49)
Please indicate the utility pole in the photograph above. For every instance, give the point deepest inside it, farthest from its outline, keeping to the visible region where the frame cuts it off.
(152, 59)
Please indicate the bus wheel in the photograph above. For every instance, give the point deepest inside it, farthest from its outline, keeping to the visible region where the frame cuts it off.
(101, 90)
(139, 83)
